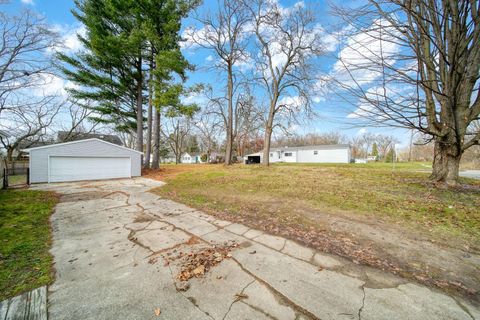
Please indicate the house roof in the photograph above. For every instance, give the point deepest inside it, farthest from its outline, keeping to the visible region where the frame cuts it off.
(80, 141)
(193, 154)
(62, 137)
(316, 147)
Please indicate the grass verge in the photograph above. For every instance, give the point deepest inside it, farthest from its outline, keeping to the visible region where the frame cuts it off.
(25, 236)
(400, 193)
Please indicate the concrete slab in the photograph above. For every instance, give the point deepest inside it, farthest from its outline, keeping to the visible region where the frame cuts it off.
(408, 302)
(106, 235)
(237, 228)
(252, 233)
(326, 261)
(270, 241)
(298, 251)
(157, 240)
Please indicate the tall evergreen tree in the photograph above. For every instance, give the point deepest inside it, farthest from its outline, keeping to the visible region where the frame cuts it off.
(127, 42)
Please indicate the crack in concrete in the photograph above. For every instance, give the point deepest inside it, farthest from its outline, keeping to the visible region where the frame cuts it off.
(463, 307)
(363, 302)
(266, 314)
(237, 299)
(287, 301)
(283, 247)
(182, 294)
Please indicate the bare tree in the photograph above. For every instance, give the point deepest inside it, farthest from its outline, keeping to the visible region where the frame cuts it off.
(249, 122)
(311, 139)
(287, 41)
(27, 126)
(416, 65)
(23, 63)
(175, 132)
(75, 121)
(208, 126)
(384, 144)
(224, 33)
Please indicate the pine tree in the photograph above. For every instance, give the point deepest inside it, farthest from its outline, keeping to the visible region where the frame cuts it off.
(390, 157)
(127, 42)
(375, 151)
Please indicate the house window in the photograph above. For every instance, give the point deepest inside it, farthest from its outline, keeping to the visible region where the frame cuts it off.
(315, 152)
(271, 154)
(288, 154)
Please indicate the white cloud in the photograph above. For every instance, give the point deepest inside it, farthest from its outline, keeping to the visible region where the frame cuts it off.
(359, 58)
(69, 41)
(291, 103)
(49, 84)
(194, 97)
(361, 131)
(29, 2)
(209, 58)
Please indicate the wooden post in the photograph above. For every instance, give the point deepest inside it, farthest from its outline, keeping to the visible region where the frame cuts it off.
(5, 178)
(28, 176)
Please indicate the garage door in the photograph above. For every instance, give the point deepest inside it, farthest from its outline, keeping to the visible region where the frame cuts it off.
(88, 168)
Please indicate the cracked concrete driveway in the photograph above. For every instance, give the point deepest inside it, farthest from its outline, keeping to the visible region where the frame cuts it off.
(107, 236)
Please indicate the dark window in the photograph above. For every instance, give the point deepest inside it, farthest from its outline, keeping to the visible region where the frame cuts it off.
(315, 152)
(288, 154)
(271, 154)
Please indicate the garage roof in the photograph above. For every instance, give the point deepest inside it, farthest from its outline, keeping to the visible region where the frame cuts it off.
(80, 141)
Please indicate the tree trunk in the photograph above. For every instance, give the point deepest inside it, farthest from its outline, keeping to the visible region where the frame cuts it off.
(229, 147)
(266, 144)
(156, 140)
(148, 150)
(139, 144)
(10, 154)
(446, 163)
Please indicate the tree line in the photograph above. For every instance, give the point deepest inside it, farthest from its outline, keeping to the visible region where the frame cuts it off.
(417, 68)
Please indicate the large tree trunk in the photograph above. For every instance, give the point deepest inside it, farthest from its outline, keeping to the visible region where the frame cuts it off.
(268, 132)
(148, 150)
(446, 163)
(139, 144)
(229, 147)
(156, 140)
(266, 144)
(10, 153)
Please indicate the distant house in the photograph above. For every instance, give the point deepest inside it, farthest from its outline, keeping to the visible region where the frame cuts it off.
(169, 158)
(191, 157)
(65, 136)
(336, 153)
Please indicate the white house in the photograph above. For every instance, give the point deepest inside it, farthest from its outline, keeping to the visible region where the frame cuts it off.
(90, 159)
(190, 157)
(336, 153)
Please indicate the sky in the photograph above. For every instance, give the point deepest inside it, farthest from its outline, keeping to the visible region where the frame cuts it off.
(333, 114)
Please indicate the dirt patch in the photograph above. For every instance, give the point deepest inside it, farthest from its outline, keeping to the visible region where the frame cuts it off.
(170, 172)
(143, 217)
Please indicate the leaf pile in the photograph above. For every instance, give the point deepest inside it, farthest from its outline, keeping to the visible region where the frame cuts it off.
(198, 262)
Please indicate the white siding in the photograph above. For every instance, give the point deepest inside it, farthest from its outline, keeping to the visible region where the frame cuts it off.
(324, 156)
(85, 148)
(320, 155)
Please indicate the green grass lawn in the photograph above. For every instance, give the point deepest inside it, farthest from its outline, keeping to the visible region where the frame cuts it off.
(25, 238)
(399, 193)
(17, 180)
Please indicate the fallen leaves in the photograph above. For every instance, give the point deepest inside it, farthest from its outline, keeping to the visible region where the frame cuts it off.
(197, 263)
(158, 311)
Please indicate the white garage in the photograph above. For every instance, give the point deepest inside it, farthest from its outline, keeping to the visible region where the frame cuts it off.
(90, 159)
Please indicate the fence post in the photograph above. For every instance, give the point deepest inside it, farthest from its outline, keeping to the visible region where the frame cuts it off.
(28, 176)
(5, 179)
